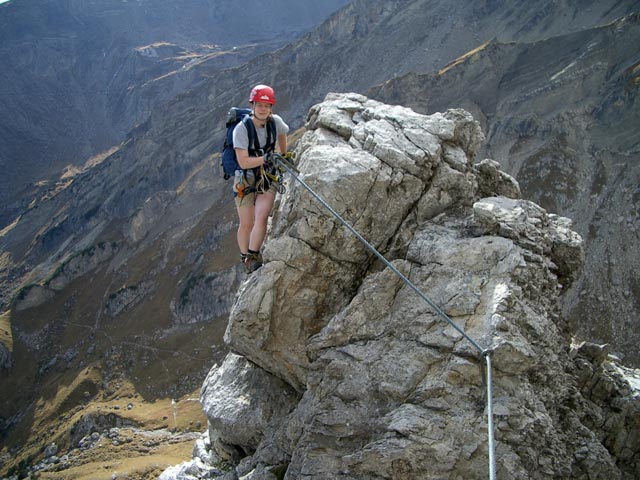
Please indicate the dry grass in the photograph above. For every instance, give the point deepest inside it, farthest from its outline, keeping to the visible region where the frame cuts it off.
(463, 58)
(158, 440)
(6, 337)
(127, 462)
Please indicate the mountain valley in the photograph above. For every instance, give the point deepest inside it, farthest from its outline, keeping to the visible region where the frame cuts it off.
(117, 274)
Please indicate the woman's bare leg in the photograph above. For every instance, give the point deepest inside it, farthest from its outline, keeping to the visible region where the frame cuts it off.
(246, 216)
(264, 204)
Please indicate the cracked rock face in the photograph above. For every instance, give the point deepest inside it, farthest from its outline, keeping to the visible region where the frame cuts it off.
(357, 375)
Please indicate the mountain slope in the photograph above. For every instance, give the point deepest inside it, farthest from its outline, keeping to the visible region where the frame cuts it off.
(77, 76)
(371, 41)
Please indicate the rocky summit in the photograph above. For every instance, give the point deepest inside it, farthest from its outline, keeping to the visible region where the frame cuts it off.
(349, 365)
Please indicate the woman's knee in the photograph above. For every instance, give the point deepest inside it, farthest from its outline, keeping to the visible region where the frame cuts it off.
(264, 205)
(261, 218)
(246, 226)
(246, 221)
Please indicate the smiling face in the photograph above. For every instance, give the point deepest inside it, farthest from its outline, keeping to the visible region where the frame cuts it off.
(262, 110)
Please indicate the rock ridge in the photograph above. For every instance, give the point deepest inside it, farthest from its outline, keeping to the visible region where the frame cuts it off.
(339, 370)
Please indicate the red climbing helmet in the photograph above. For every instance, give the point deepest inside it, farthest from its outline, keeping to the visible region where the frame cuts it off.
(263, 93)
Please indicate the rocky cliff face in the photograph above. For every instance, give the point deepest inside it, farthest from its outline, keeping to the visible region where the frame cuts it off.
(340, 370)
(561, 116)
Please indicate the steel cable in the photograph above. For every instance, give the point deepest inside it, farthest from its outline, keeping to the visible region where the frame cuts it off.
(484, 352)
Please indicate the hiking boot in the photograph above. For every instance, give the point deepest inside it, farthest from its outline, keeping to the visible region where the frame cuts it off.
(252, 262)
(243, 261)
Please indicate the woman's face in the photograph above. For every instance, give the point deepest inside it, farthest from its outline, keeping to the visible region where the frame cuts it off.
(262, 110)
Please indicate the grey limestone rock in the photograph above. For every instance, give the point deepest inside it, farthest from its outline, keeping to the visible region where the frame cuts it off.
(341, 370)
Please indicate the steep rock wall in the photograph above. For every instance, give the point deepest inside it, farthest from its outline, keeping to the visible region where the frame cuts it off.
(356, 377)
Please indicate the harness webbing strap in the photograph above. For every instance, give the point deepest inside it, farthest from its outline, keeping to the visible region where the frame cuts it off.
(252, 134)
(255, 150)
(484, 352)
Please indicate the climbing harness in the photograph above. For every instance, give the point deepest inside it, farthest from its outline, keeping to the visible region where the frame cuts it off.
(247, 181)
(270, 177)
(240, 183)
(286, 163)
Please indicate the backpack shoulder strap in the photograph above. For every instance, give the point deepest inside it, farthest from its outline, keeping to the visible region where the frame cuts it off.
(271, 135)
(254, 143)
